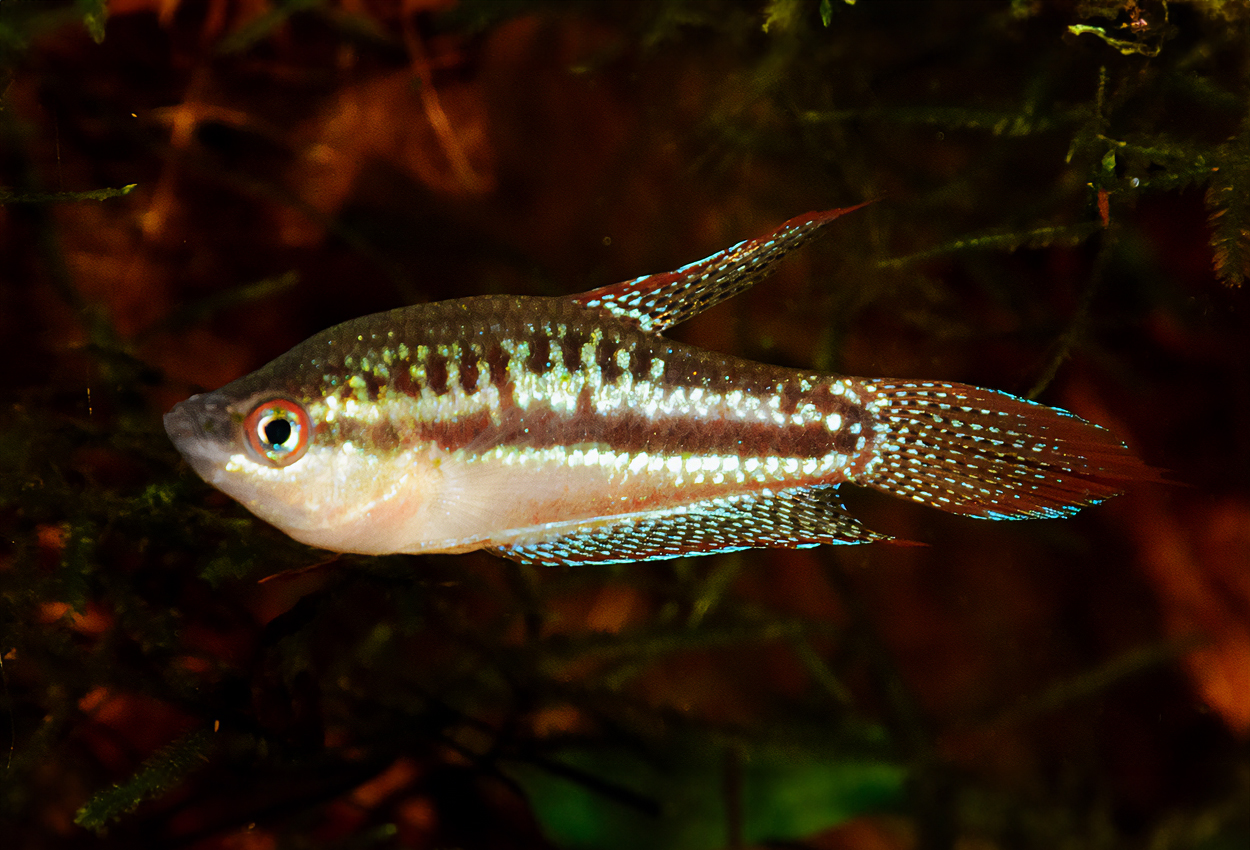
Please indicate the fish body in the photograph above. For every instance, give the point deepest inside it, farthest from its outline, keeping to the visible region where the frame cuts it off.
(569, 430)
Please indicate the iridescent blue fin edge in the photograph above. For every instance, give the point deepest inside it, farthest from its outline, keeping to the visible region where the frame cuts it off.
(656, 302)
(796, 518)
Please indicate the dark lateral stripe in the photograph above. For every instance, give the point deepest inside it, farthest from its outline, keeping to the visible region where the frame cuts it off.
(640, 365)
(605, 360)
(497, 368)
(571, 348)
(540, 427)
(629, 432)
(539, 361)
(791, 395)
(468, 370)
(403, 382)
(436, 374)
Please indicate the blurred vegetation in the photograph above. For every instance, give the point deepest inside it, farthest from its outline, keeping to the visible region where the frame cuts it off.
(187, 189)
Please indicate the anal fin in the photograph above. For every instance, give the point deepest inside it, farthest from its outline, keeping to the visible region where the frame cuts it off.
(795, 519)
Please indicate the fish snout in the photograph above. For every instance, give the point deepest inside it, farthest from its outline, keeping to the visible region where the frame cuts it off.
(201, 425)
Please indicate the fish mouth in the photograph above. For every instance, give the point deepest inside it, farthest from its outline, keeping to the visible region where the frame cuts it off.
(201, 428)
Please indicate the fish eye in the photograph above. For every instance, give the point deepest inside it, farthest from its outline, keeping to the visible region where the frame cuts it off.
(278, 431)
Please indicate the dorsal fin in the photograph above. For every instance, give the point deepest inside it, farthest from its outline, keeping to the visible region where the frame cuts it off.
(656, 302)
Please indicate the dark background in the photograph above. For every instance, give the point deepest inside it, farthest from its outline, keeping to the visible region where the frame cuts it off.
(1061, 213)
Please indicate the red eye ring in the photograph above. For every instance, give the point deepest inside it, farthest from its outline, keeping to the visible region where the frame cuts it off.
(278, 431)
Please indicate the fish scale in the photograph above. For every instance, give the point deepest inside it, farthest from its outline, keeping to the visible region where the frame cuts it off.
(601, 385)
(569, 430)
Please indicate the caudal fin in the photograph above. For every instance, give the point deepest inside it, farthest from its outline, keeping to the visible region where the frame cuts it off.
(989, 454)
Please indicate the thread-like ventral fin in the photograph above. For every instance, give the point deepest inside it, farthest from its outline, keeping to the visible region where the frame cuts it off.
(794, 519)
(989, 454)
(659, 301)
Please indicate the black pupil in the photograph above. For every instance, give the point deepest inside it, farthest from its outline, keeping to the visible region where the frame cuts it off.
(276, 432)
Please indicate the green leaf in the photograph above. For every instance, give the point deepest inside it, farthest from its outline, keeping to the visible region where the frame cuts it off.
(155, 776)
(1229, 212)
(1041, 237)
(8, 196)
(202, 310)
(1012, 121)
(1125, 45)
(94, 15)
(262, 25)
(782, 14)
(613, 798)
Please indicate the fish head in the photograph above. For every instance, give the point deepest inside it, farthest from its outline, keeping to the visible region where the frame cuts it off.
(276, 454)
(257, 449)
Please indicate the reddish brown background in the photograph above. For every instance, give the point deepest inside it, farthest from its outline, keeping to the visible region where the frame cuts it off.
(1091, 675)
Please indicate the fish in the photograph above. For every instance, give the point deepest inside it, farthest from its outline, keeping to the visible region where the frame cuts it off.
(569, 430)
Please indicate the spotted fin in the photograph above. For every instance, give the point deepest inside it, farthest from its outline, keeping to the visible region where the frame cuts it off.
(656, 302)
(793, 519)
(991, 455)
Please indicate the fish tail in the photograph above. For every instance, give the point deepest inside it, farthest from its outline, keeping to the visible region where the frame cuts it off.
(989, 454)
